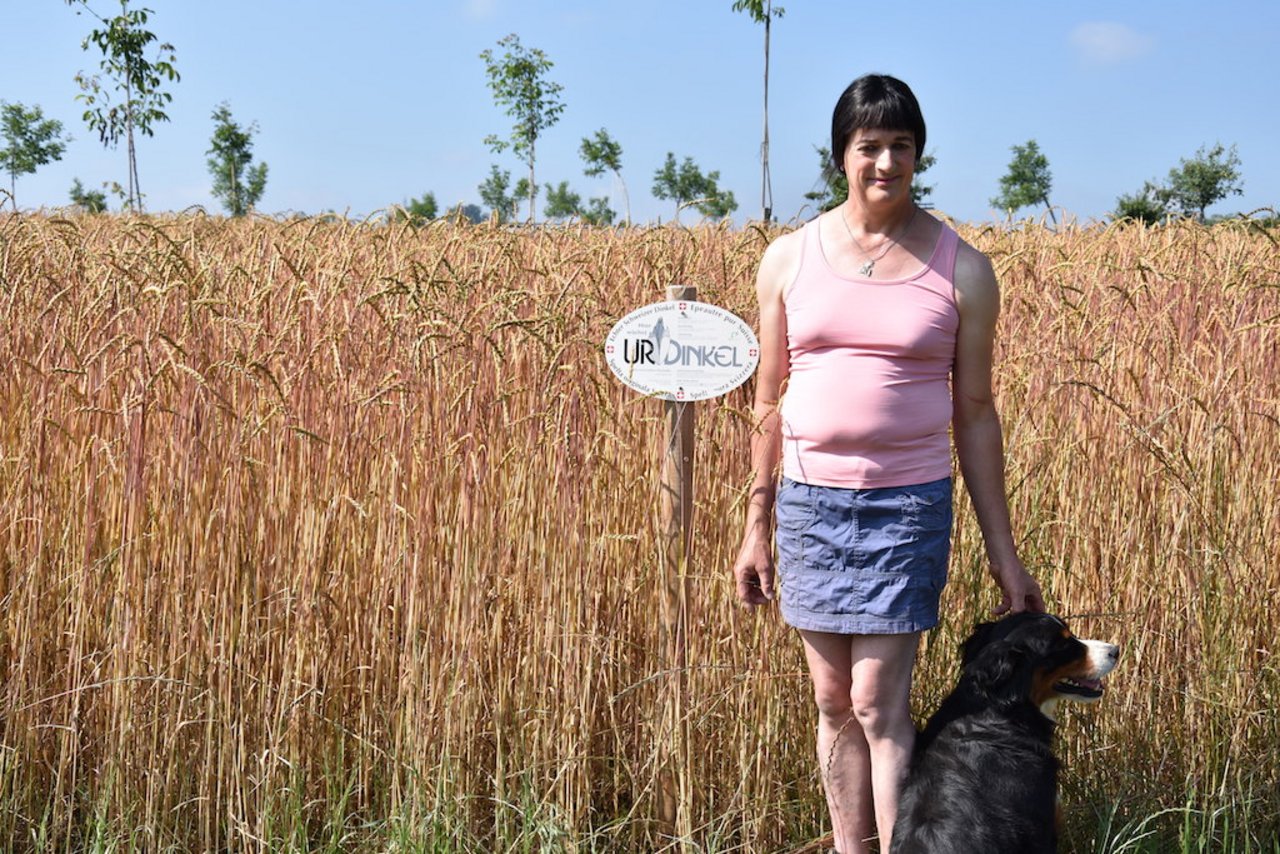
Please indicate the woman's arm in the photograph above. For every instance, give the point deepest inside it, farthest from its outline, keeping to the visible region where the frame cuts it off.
(754, 570)
(976, 426)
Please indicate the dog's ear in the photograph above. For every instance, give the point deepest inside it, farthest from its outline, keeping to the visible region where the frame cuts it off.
(1002, 671)
(973, 645)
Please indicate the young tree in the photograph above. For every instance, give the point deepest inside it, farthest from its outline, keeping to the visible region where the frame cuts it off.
(523, 190)
(920, 193)
(93, 201)
(136, 80)
(493, 192)
(835, 187)
(1211, 176)
(686, 185)
(604, 153)
(763, 12)
(1027, 182)
(416, 212)
(518, 81)
(30, 141)
(471, 213)
(598, 212)
(1149, 205)
(667, 183)
(237, 183)
(716, 203)
(562, 203)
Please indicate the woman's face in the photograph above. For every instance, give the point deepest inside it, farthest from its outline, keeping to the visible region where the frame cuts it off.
(880, 164)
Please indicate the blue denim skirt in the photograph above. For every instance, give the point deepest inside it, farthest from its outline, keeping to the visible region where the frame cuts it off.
(863, 561)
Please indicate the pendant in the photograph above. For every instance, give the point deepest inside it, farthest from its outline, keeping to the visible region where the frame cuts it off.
(865, 269)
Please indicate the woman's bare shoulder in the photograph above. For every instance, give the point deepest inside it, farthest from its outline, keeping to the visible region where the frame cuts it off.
(973, 270)
(780, 264)
(976, 288)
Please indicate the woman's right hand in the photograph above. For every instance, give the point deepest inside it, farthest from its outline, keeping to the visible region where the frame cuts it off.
(753, 572)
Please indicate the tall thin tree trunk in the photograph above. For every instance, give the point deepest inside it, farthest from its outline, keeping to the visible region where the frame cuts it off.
(135, 192)
(128, 127)
(626, 197)
(133, 175)
(135, 200)
(235, 187)
(533, 186)
(766, 185)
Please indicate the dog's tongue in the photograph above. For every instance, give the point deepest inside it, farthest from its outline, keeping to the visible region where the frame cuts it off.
(1087, 684)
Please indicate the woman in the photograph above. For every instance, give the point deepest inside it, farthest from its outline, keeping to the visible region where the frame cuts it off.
(879, 323)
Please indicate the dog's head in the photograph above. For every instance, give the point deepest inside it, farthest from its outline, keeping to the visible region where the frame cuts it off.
(1035, 657)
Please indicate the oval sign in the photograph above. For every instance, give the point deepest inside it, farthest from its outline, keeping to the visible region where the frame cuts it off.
(682, 350)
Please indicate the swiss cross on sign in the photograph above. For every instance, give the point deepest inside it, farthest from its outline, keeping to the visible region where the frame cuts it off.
(682, 350)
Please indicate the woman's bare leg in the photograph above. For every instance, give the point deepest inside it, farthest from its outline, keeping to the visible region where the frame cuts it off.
(862, 685)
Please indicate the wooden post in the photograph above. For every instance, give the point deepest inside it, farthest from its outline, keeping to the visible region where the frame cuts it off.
(675, 793)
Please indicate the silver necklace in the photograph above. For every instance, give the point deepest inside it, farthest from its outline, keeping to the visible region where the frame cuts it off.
(870, 264)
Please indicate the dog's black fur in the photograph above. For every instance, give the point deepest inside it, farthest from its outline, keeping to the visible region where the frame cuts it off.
(983, 777)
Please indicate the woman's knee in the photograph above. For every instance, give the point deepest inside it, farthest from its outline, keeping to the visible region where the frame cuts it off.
(880, 687)
(880, 712)
(833, 698)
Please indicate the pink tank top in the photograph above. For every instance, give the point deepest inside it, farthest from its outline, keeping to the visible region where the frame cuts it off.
(868, 402)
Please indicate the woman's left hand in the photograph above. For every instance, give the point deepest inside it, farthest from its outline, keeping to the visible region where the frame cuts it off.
(1021, 591)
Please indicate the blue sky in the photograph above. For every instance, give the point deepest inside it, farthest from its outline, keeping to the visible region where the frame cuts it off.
(364, 105)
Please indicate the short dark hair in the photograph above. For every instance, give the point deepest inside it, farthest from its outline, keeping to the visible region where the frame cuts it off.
(874, 101)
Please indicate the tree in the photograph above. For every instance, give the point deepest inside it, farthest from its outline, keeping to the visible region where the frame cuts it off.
(835, 187)
(523, 190)
(686, 185)
(518, 81)
(416, 212)
(30, 141)
(1149, 205)
(137, 81)
(93, 201)
(562, 203)
(598, 212)
(238, 184)
(493, 192)
(604, 153)
(1027, 182)
(471, 213)
(763, 12)
(1211, 176)
(919, 192)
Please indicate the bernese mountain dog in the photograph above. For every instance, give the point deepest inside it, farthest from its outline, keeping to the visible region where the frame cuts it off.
(983, 777)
